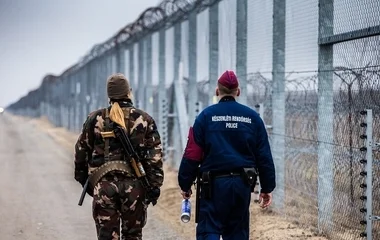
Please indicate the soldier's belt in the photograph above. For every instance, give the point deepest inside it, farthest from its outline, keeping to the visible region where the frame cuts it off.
(107, 167)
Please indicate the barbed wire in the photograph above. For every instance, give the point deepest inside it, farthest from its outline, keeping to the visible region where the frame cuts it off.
(165, 15)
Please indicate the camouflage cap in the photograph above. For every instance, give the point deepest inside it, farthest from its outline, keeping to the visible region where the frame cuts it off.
(118, 87)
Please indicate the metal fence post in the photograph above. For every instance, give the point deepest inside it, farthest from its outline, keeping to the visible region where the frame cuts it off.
(78, 91)
(61, 101)
(148, 76)
(66, 99)
(90, 87)
(120, 59)
(213, 50)
(192, 83)
(102, 76)
(74, 101)
(103, 72)
(54, 103)
(241, 47)
(368, 174)
(278, 100)
(97, 77)
(162, 104)
(95, 86)
(325, 119)
(83, 110)
(177, 50)
(164, 128)
(115, 61)
(110, 63)
(48, 102)
(369, 166)
(71, 101)
(108, 72)
(180, 107)
(132, 70)
(141, 76)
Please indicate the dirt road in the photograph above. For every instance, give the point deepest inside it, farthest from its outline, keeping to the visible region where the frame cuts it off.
(38, 198)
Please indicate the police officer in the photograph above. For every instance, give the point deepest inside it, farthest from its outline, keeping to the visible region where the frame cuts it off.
(229, 144)
(118, 196)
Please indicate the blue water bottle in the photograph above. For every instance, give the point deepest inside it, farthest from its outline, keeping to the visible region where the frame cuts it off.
(186, 210)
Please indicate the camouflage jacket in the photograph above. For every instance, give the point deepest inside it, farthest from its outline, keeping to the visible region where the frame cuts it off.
(143, 134)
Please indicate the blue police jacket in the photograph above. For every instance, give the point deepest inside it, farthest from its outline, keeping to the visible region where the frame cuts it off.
(227, 136)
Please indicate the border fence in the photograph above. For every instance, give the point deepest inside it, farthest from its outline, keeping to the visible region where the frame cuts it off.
(310, 67)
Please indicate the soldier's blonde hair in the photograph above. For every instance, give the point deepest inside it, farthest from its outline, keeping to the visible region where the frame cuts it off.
(117, 114)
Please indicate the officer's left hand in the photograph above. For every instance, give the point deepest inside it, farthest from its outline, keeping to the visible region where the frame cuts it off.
(186, 195)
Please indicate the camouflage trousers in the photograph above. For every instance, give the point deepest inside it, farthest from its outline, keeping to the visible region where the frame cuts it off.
(119, 202)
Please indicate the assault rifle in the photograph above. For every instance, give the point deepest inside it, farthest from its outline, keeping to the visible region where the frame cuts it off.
(134, 159)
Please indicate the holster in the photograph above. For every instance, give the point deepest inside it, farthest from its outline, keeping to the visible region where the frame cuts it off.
(206, 188)
(250, 177)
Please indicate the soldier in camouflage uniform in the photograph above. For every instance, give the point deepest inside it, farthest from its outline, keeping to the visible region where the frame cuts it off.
(119, 195)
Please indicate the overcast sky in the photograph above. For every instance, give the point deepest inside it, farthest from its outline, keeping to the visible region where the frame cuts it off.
(38, 37)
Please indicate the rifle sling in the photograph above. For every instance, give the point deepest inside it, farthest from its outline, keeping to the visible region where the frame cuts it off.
(128, 111)
(107, 141)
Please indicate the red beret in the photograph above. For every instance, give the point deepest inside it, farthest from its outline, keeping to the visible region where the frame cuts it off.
(229, 80)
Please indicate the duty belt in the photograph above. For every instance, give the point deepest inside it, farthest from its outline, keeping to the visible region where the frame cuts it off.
(208, 177)
(107, 167)
(220, 174)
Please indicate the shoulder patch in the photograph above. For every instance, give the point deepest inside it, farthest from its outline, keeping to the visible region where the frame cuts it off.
(193, 151)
